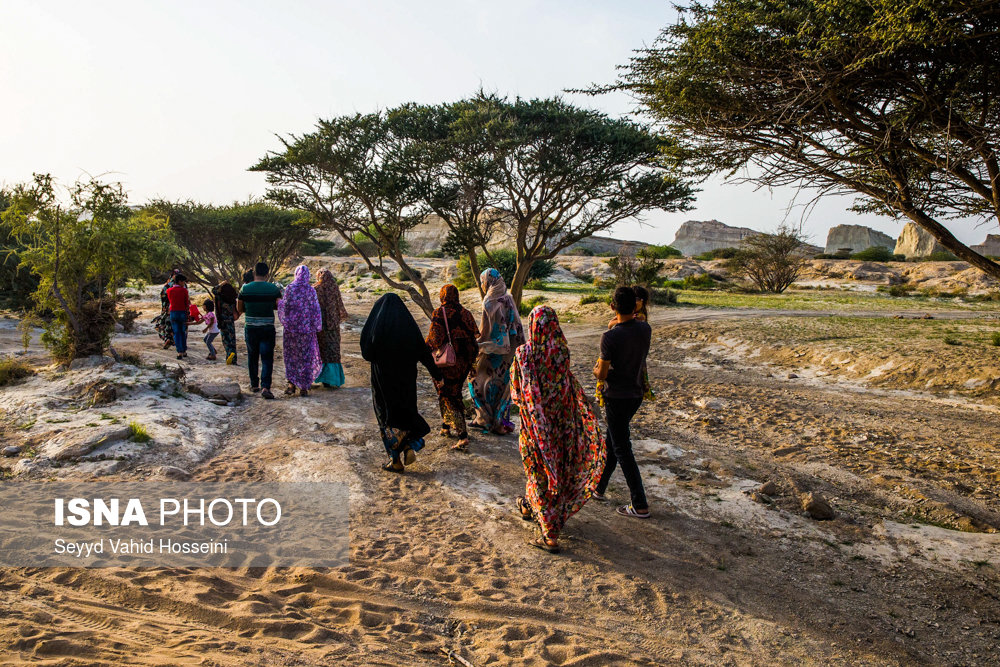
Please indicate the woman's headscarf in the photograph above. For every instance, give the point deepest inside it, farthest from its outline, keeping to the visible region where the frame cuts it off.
(298, 308)
(559, 430)
(391, 334)
(330, 301)
(501, 322)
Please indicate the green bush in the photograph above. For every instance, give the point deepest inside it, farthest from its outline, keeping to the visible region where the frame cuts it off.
(701, 281)
(311, 247)
(899, 290)
(525, 308)
(593, 297)
(662, 297)
(403, 277)
(718, 253)
(876, 253)
(12, 370)
(659, 252)
(941, 256)
(433, 254)
(951, 340)
(504, 261)
(535, 284)
(580, 251)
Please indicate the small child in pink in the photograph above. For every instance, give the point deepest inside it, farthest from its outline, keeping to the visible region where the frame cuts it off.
(211, 329)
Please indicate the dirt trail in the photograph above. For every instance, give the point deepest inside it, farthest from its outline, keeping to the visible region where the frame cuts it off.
(439, 563)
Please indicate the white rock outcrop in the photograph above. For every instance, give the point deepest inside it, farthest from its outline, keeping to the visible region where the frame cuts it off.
(856, 238)
(699, 236)
(915, 241)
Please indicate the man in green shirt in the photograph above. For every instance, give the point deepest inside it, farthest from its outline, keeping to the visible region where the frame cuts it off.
(257, 301)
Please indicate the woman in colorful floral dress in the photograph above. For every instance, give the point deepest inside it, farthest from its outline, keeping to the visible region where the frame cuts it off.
(332, 306)
(298, 310)
(561, 444)
(500, 334)
(453, 323)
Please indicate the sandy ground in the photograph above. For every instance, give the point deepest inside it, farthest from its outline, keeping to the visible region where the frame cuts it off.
(438, 556)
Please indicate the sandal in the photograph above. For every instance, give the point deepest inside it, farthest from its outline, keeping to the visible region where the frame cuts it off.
(599, 497)
(290, 390)
(628, 510)
(461, 446)
(524, 508)
(445, 432)
(395, 465)
(543, 544)
(303, 392)
(409, 456)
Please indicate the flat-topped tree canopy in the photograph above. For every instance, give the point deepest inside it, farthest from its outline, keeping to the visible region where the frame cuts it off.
(895, 100)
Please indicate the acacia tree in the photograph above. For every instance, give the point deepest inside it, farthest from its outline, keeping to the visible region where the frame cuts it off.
(771, 262)
(567, 173)
(459, 182)
(84, 249)
(358, 177)
(221, 242)
(895, 100)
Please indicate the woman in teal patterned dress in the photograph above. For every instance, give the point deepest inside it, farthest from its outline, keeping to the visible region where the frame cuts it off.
(501, 335)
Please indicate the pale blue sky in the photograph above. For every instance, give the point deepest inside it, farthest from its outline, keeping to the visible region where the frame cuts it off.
(176, 99)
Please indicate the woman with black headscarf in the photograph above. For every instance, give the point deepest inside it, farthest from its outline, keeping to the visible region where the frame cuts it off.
(392, 343)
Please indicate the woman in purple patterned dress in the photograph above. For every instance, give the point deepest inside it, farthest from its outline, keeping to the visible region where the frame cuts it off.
(301, 318)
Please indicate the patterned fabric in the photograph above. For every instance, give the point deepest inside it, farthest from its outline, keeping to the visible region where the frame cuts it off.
(300, 316)
(464, 334)
(333, 311)
(224, 296)
(501, 333)
(561, 444)
(162, 321)
(501, 325)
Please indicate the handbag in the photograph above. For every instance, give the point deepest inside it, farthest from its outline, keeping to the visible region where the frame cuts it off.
(445, 356)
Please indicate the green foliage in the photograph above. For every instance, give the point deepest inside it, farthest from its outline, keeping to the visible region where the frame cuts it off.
(659, 252)
(628, 269)
(593, 297)
(127, 317)
(17, 282)
(138, 432)
(580, 251)
(718, 253)
(771, 262)
(702, 281)
(313, 246)
(899, 290)
(84, 249)
(875, 253)
(504, 261)
(951, 340)
(433, 254)
(525, 307)
(859, 98)
(939, 256)
(995, 339)
(13, 369)
(535, 284)
(662, 297)
(221, 242)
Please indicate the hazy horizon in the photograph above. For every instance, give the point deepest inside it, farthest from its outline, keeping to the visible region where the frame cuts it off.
(177, 101)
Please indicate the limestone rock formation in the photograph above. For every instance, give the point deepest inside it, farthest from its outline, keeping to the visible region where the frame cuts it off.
(915, 241)
(699, 236)
(855, 237)
(990, 247)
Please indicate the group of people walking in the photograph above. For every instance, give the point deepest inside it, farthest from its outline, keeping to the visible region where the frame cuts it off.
(309, 314)
(567, 459)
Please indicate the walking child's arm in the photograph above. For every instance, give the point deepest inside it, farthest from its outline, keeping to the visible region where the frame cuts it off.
(601, 369)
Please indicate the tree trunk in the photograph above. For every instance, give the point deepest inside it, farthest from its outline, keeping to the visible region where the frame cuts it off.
(474, 267)
(948, 240)
(520, 277)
